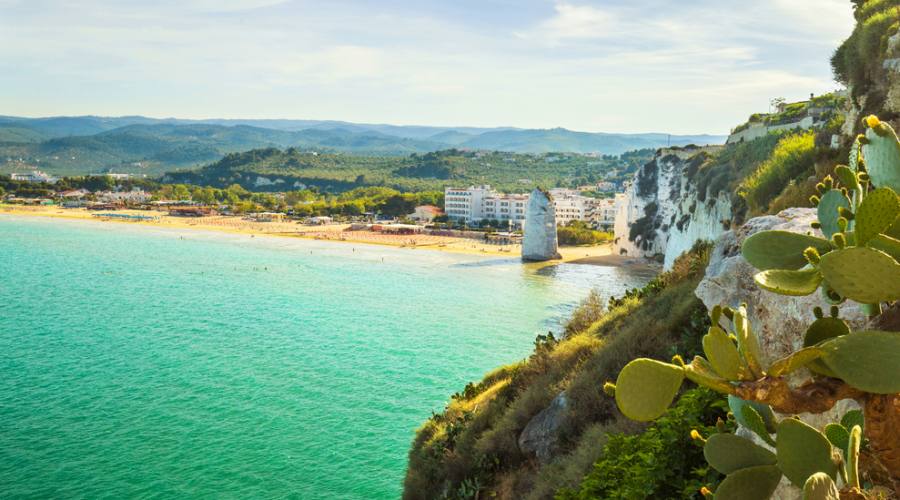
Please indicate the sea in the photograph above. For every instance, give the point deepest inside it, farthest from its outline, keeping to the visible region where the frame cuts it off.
(143, 362)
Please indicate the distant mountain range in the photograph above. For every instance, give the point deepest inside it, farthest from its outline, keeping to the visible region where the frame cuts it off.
(137, 144)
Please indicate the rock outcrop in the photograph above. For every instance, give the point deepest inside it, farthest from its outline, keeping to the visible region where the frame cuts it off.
(540, 241)
(541, 437)
(663, 213)
(779, 320)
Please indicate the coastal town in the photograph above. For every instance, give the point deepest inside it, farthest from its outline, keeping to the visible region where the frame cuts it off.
(473, 219)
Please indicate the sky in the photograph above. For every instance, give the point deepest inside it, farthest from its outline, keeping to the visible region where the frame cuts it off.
(685, 66)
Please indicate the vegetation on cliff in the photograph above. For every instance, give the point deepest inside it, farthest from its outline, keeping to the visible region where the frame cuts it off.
(857, 260)
(858, 61)
(472, 447)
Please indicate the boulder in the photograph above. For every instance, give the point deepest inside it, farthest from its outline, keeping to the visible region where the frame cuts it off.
(540, 241)
(541, 437)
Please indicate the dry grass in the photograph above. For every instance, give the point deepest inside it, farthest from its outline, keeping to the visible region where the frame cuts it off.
(476, 440)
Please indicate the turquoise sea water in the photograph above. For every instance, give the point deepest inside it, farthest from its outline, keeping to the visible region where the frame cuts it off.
(143, 362)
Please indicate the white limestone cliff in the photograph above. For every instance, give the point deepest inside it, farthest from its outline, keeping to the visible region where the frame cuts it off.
(662, 214)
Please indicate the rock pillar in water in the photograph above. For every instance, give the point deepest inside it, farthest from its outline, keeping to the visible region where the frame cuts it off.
(540, 242)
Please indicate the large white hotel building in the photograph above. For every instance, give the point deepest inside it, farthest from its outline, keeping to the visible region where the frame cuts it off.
(478, 203)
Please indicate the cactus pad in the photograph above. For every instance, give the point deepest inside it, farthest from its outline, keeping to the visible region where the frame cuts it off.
(828, 208)
(744, 412)
(846, 176)
(780, 249)
(722, 354)
(821, 330)
(853, 417)
(886, 244)
(752, 483)
(820, 487)
(787, 282)
(645, 388)
(862, 274)
(882, 156)
(754, 421)
(795, 361)
(701, 372)
(838, 435)
(876, 213)
(728, 452)
(869, 361)
(802, 451)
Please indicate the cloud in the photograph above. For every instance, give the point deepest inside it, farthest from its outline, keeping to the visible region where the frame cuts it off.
(597, 65)
(577, 22)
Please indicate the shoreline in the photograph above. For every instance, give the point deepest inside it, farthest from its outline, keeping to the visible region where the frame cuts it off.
(600, 255)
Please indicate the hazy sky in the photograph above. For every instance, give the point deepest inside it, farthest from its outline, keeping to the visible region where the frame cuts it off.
(680, 66)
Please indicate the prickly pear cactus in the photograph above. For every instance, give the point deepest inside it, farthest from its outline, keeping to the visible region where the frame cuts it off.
(859, 215)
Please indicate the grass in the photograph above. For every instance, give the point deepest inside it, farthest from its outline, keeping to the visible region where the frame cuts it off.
(793, 157)
(472, 446)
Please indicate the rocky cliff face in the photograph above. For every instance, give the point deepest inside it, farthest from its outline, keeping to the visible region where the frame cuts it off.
(540, 241)
(662, 213)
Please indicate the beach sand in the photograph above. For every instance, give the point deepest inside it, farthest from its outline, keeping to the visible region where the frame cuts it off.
(596, 255)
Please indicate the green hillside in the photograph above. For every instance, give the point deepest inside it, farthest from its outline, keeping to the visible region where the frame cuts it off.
(286, 169)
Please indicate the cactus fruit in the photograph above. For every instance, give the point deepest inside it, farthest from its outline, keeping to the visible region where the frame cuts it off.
(882, 156)
(820, 487)
(787, 282)
(862, 274)
(876, 213)
(795, 361)
(722, 354)
(752, 483)
(728, 452)
(780, 249)
(828, 207)
(645, 388)
(802, 451)
(868, 361)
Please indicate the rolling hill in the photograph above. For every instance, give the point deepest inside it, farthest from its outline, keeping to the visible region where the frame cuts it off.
(136, 144)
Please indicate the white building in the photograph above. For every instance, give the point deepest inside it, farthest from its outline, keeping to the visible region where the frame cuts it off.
(33, 176)
(605, 213)
(134, 196)
(606, 186)
(479, 203)
(570, 205)
(425, 213)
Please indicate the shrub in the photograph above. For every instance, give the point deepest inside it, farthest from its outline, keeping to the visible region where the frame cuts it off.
(578, 233)
(471, 447)
(857, 62)
(586, 314)
(661, 462)
(793, 157)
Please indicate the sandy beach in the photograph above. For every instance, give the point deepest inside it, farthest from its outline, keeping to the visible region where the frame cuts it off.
(595, 255)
